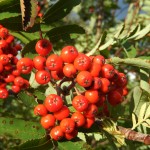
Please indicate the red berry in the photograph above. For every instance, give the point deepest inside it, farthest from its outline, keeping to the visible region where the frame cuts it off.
(68, 54)
(99, 59)
(56, 133)
(42, 77)
(62, 113)
(70, 136)
(57, 75)
(69, 70)
(43, 47)
(53, 102)
(91, 111)
(15, 88)
(1, 67)
(122, 80)
(114, 98)
(125, 91)
(54, 62)
(107, 71)
(78, 118)
(67, 125)
(39, 62)
(16, 72)
(10, 39)
(19, 81)
(4, 59)
(25, 65)
(3, 93)
(89, 122)
(9, 78)
(97, 83)
(80, 103)
(84, 78)
(105, 85)
(40, 110)
(3, 46)
(95, 69)
(4, 33)
(102, 99)
(92, 96)
(82, 62)
(47, 121)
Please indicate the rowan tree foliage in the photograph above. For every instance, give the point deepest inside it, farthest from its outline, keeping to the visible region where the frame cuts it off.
(91, 89)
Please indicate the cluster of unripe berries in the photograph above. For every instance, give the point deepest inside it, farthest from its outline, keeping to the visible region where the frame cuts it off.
(101, 81)
(10, 67)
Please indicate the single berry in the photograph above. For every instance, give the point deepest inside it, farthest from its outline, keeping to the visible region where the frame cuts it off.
(82, 62)
(25, 65)
(53, 103)
(40, 110)
(84, 78)
(54, 62)
(78, 118)
(62, 113)
(68, 54)
(80, 103)
(42, 77)
(47, 121)
(43, 47)
(67, 125)
(56, 133)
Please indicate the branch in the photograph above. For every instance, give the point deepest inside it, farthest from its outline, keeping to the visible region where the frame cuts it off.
(130, 61)
(135, 136)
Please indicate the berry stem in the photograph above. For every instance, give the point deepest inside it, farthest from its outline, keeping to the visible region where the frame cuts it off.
(77, 91)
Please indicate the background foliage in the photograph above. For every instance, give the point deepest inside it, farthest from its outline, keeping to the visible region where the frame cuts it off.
(113, 28)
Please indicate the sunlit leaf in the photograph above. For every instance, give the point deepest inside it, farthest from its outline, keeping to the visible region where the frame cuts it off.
(18, 128)
(142, 113)
(133, 120)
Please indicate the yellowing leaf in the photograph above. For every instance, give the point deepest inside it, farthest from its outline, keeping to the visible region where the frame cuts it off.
(146, 123)
(147, 114)
(142, 113)
(134, 119)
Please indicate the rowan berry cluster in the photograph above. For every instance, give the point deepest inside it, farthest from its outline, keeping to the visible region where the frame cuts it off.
(10, 66)
(101, 81)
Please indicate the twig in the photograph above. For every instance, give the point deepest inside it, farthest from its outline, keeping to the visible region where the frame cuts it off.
(135, 136)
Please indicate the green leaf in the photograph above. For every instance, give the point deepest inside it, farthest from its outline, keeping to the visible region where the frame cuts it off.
(99, 44)
(10, 5)
(73, 145)
(5, 15)
(29, 12)
(13, 23)
(59, 10)
(29, 49)
(64, 32)
(141, 33)
(144, 57)
(38, 144)
(27, 98)
(50, 90)
(20, 129)
(137, 93)
(32, 81)
(144, 82)
(39, 94)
